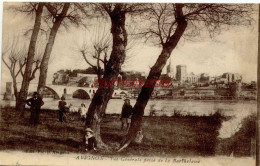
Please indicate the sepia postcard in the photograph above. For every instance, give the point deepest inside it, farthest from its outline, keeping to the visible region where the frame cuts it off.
(123, 83)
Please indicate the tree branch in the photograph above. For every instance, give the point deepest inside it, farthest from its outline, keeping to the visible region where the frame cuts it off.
(99, 59)
(20, 68)
(22, 73)
(85, 58)
(6, 64)
(14, 65)
(51, 9)
(37, 66)
(196, 12)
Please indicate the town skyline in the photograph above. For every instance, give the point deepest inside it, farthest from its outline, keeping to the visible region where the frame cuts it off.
(172, 73)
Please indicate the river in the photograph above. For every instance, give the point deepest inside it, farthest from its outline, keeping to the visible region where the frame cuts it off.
(237, 109)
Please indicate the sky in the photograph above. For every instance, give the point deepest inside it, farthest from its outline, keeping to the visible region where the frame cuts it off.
(234, 50)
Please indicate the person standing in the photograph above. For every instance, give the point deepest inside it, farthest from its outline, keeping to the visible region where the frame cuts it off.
(126, 114)
(35, 103)
(83, 111)
(62, 108)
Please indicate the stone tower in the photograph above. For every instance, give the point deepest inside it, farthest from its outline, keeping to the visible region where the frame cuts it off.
(181, 72)
(8, 91)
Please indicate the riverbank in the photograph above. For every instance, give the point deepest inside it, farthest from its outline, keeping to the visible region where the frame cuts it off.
(177, 135)
(239, 109)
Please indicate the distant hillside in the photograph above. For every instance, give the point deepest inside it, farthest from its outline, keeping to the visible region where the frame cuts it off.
(73, 73)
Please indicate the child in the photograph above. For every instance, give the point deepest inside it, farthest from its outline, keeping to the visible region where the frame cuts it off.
(82, 110)
(72, 109)
(91, 142)
(126, 114)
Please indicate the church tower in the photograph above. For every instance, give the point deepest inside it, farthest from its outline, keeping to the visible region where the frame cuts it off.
(170, 70)
(181, 73)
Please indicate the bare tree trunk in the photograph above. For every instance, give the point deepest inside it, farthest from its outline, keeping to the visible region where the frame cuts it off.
(48, 48)
(96, 111)
(155, 73)
(100, 100)
(15, 86)
(22, 96)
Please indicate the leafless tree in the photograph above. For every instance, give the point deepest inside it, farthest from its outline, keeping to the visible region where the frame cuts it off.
(35, 9)
(166, 24)
(53, 15)
(117, 15)
(57, 14)
(14, 57)
(96, 50)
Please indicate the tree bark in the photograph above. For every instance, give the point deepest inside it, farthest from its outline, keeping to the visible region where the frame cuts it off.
(155, 73)
(22, 95)
(15, 86)
(100, 100)
(49, 46)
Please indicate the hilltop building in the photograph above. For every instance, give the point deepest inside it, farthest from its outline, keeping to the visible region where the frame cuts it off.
(170, 70)
(192, 78)
(232, 77)
(181, 72)
(182, 76)
(205, 78)
(60, 77)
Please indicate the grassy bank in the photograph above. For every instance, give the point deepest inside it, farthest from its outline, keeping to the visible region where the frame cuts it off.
(163, 136)
(243, 142)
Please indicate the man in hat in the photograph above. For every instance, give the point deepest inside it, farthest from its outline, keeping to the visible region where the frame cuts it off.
(35, 103)
(91, 142)
(62, 108)
(126, 114)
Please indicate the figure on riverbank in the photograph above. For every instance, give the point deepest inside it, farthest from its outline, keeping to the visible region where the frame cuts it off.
(72, 109)
(91, 142)
(152, 110)
(62, 108)
(35, 103)
(83, 111)
(126, 114)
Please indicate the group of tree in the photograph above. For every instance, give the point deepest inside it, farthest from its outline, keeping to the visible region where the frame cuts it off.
(48, 18)
(162, 25)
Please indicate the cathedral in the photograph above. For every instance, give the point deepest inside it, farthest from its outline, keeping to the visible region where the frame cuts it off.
(170, 70)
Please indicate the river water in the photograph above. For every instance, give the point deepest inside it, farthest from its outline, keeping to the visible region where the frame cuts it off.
(237, 109)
